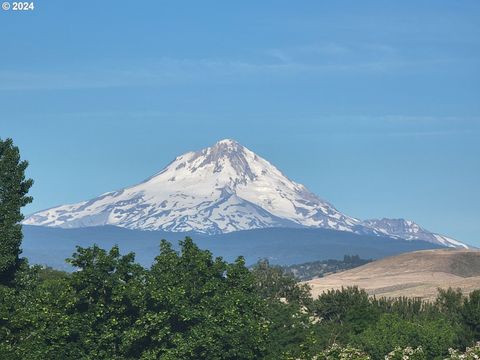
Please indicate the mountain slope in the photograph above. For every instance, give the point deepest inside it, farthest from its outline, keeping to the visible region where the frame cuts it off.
(408, 230)
(415, 274)
(220, 189)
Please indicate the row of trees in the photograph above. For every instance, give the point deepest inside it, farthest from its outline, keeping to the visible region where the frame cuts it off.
(191, 305)
(320, 268)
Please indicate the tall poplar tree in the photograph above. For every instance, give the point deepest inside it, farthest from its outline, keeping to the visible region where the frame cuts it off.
(13, 196)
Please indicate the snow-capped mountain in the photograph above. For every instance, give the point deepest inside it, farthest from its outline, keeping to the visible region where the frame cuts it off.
(222, 188)
(219, 189)
(409, 230)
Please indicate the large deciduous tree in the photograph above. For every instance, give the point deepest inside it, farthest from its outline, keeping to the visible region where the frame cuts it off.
(13, 196)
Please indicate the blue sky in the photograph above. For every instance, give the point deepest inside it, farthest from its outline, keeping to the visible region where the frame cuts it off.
(375, 106)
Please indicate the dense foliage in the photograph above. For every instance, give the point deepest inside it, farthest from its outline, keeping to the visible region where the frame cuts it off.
(186, 306)
(190, 305)
(320, 268)
(13, 196)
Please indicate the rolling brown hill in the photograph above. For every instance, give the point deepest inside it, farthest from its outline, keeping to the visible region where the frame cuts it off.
(414, 274)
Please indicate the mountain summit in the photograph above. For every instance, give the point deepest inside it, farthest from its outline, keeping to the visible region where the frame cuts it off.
(222, 188)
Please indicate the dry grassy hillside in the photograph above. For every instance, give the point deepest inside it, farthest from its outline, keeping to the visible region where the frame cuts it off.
(415, 274)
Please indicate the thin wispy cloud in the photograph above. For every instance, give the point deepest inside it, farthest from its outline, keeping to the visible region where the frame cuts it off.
(325, 49)
(305, 60)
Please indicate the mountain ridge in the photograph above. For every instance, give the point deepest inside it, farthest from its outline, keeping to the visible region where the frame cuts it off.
(219, 189)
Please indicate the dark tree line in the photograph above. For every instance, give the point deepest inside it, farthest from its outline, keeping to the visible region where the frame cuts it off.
(320, 268)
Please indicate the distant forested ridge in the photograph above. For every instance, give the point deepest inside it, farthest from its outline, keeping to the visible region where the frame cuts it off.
(320, 268)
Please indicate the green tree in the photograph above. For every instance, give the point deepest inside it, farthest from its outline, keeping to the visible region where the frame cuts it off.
(273, 282)
(106, 299)
(392, 331)
(449, 302)
(470, 313)
(13, 196)
(347, 312)
(197, 307)
(287, 304)
(82, 315)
